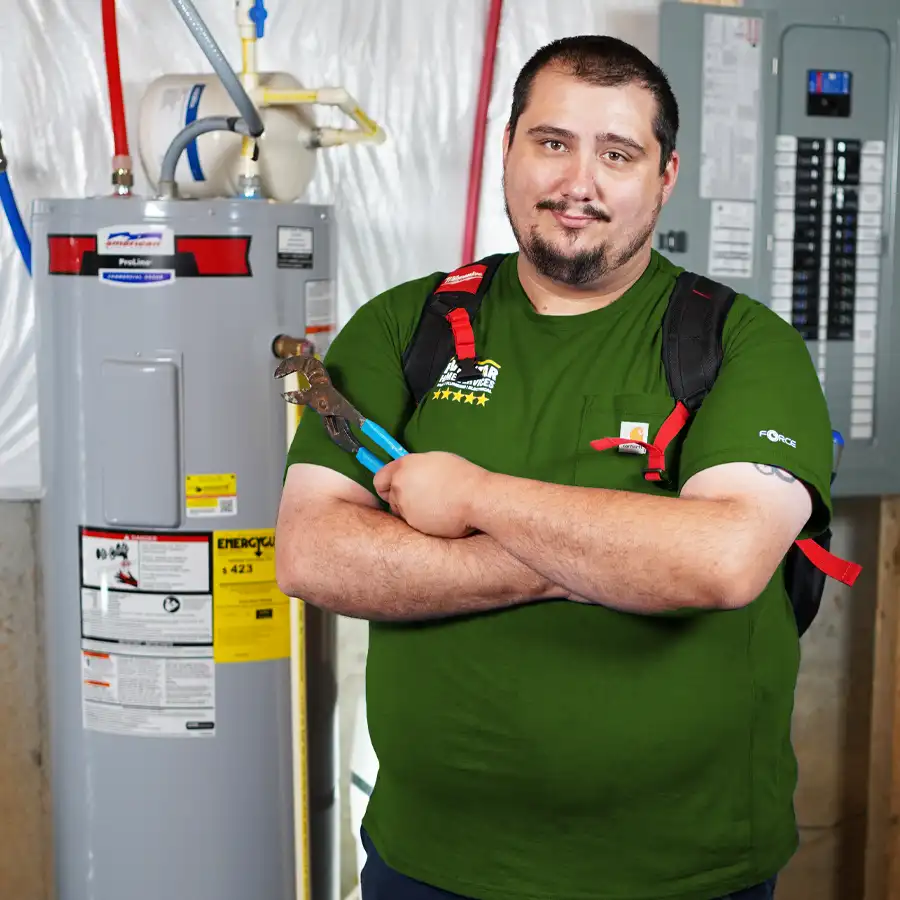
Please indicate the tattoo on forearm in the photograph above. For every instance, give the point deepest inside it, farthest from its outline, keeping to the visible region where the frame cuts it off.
(778, 473)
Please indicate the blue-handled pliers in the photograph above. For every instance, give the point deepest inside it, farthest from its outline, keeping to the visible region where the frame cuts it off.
(336, 411)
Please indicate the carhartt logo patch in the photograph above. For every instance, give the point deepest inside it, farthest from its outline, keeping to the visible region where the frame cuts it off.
(473, 393)
(633, 431)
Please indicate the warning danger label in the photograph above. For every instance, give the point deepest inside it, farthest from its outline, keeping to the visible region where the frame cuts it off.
(174, 562)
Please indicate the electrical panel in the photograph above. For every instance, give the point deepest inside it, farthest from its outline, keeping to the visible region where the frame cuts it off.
(787, 191)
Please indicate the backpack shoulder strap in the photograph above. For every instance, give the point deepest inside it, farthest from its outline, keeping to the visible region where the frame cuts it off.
(692, 336)
(433, 342)
(692, 354)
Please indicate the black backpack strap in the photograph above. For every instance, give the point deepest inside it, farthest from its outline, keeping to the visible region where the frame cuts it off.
(692, 336)
(432, 345)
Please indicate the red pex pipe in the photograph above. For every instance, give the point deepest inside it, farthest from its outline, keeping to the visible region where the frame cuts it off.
(476, 164)
(114, 78)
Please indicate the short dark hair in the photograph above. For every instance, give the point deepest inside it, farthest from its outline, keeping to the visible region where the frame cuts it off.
(603, 60)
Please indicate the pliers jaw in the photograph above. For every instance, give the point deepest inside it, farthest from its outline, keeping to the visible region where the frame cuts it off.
(336, 412)
(305, 364)
(320, 395)
(300, 365)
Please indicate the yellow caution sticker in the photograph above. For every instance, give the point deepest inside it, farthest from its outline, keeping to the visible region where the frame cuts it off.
(251, 617)
(210, 495)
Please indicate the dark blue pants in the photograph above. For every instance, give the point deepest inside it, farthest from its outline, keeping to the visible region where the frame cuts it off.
(380, 882)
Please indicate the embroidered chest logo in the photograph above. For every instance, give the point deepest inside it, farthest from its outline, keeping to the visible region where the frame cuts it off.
(475, 393)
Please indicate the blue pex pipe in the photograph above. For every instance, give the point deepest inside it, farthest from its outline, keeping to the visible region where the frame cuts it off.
(8, 199)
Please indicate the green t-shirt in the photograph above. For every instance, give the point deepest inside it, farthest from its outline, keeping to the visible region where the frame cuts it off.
(561, 751)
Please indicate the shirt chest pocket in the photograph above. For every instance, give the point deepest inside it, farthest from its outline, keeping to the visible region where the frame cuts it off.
(637, 417)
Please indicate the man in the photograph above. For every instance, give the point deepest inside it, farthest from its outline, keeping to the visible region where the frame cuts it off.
(580, 682)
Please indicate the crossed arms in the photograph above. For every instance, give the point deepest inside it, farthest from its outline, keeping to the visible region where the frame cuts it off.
(459, 540)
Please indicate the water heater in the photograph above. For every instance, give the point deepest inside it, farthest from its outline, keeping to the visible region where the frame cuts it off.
(167, 639)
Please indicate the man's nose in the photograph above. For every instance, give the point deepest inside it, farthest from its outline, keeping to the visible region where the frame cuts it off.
(580, 185)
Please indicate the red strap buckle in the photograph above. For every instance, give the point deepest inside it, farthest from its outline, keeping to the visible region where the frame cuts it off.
(833, 566)
(463, 336)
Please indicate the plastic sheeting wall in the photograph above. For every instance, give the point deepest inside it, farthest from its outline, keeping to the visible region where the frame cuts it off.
(413, 65)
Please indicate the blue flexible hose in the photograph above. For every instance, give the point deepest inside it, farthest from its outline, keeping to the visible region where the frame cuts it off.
(8, 199)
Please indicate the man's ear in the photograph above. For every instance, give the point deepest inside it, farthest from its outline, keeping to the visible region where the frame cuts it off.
(670, 176)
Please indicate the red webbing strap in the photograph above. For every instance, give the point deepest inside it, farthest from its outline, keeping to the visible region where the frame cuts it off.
(657, 457)
(676, 420)
(656, 463)
(833, 566)
(463, 336)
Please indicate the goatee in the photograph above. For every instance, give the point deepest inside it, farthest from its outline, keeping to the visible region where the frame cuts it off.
(582, 268)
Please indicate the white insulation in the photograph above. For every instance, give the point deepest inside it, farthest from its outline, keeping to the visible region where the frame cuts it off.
(413, 65)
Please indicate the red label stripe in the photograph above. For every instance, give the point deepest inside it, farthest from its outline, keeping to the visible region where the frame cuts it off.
(220, 255)
(224, 255)
(67, 251)
(129, 536)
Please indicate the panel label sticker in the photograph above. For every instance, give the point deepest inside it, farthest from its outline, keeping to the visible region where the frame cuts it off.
(731, 110)
(295, 247)
(210, 495)
(134, 691)
(181, 620)
(251, 615)
(731, 239)
(147, 633)
(321, 315)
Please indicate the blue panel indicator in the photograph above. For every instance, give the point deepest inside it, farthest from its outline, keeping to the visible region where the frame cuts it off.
(825, 83)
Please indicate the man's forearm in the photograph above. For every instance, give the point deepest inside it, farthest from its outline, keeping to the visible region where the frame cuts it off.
(634, 552)
(362, 562)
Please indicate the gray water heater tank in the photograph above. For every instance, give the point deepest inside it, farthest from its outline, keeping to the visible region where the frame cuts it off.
(167, 641)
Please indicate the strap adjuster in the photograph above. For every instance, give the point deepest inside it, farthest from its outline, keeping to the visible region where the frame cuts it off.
(440, 307)
(467, 369)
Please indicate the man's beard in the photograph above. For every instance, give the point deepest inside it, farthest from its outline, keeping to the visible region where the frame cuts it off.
(584, 267)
